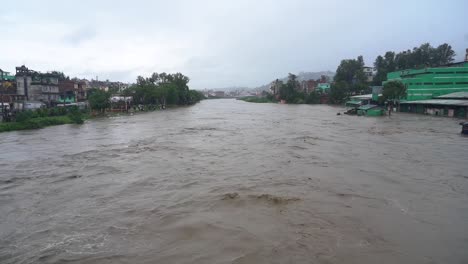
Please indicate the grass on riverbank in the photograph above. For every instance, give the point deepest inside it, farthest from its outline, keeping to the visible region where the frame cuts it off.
(39, 122)
(254, 99)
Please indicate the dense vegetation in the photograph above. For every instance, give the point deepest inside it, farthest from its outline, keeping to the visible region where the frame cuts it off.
(420, 57)
(98, 99)
(33, 119)
(158, 89)
(291, 92)
(163, 88)
(254, 99)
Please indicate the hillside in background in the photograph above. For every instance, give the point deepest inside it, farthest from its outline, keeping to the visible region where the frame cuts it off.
(301, 77)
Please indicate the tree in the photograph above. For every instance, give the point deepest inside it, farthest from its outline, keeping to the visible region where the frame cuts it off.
(338, 92)
(162, 88)
(99, 100)
(289, 90)
(351, 72)
(393, 90)
(443, 54)
(313, 98)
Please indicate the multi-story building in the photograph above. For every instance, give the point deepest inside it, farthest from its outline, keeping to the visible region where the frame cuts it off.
(219, 93)
(36, 86)
(369, 73)
(432, 82)
(68, 91)
(308, 86)
(83, 87)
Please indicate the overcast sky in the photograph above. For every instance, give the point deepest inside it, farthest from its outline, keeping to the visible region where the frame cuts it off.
(218, 43)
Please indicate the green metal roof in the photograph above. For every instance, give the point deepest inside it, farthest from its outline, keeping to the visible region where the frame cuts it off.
(357, 102)
(362, 97)
(457, 95)
(438, 102)
(367, 107)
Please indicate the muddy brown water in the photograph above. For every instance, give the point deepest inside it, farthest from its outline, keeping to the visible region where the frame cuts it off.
(227, 181)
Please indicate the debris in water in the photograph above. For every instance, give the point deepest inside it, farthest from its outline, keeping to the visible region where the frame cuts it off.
(230, 196)
(275, 199)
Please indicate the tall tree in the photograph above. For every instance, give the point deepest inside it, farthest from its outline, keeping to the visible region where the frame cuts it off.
(351, 72)
(99, 100)
(393, 90)
(338, 92)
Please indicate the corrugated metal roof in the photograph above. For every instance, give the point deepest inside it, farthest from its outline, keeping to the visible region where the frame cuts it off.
(367, 107)
(361, 97)
(439, 102)
(356, 102)
(457, 95)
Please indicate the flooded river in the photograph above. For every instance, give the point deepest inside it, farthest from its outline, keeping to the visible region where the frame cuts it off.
(227, 181)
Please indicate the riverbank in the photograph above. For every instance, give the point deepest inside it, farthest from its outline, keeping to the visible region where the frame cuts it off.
(254, 99)
(41, 122)
(36, 123)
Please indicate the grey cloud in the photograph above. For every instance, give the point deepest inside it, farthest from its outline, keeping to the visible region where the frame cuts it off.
(221, 43)
(80, 35)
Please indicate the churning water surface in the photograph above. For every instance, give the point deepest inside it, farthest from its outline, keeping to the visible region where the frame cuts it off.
(227, 181)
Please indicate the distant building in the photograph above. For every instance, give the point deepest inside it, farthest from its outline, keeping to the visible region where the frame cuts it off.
(323, 87)
(308, 86)
(219, 93)
(82, 93)
(6, 76)
(8, 88)
(369, 73)
(68, 91)
(36, 86)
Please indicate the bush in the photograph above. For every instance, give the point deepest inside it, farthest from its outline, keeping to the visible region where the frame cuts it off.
(76, 118)
(256, 99)
(35, 123)
(25, 115)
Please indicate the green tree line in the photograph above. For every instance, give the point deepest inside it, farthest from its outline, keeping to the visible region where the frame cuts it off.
(419, 57)
(159, 88)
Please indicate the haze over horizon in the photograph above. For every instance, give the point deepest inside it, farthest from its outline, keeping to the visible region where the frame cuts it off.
(218, 43)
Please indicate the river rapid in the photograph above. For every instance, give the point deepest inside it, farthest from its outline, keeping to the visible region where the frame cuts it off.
(226, 181)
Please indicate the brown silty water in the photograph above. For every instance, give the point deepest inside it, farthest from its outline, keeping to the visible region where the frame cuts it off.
(227, 181)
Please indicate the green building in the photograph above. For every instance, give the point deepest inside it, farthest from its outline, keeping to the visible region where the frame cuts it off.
(429, 83)
(370, 110)
(324, 87)
(6, 76)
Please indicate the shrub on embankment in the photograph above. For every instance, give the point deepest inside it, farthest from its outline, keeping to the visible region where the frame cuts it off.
(34, 119)
(254, 99)
(35, 123)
